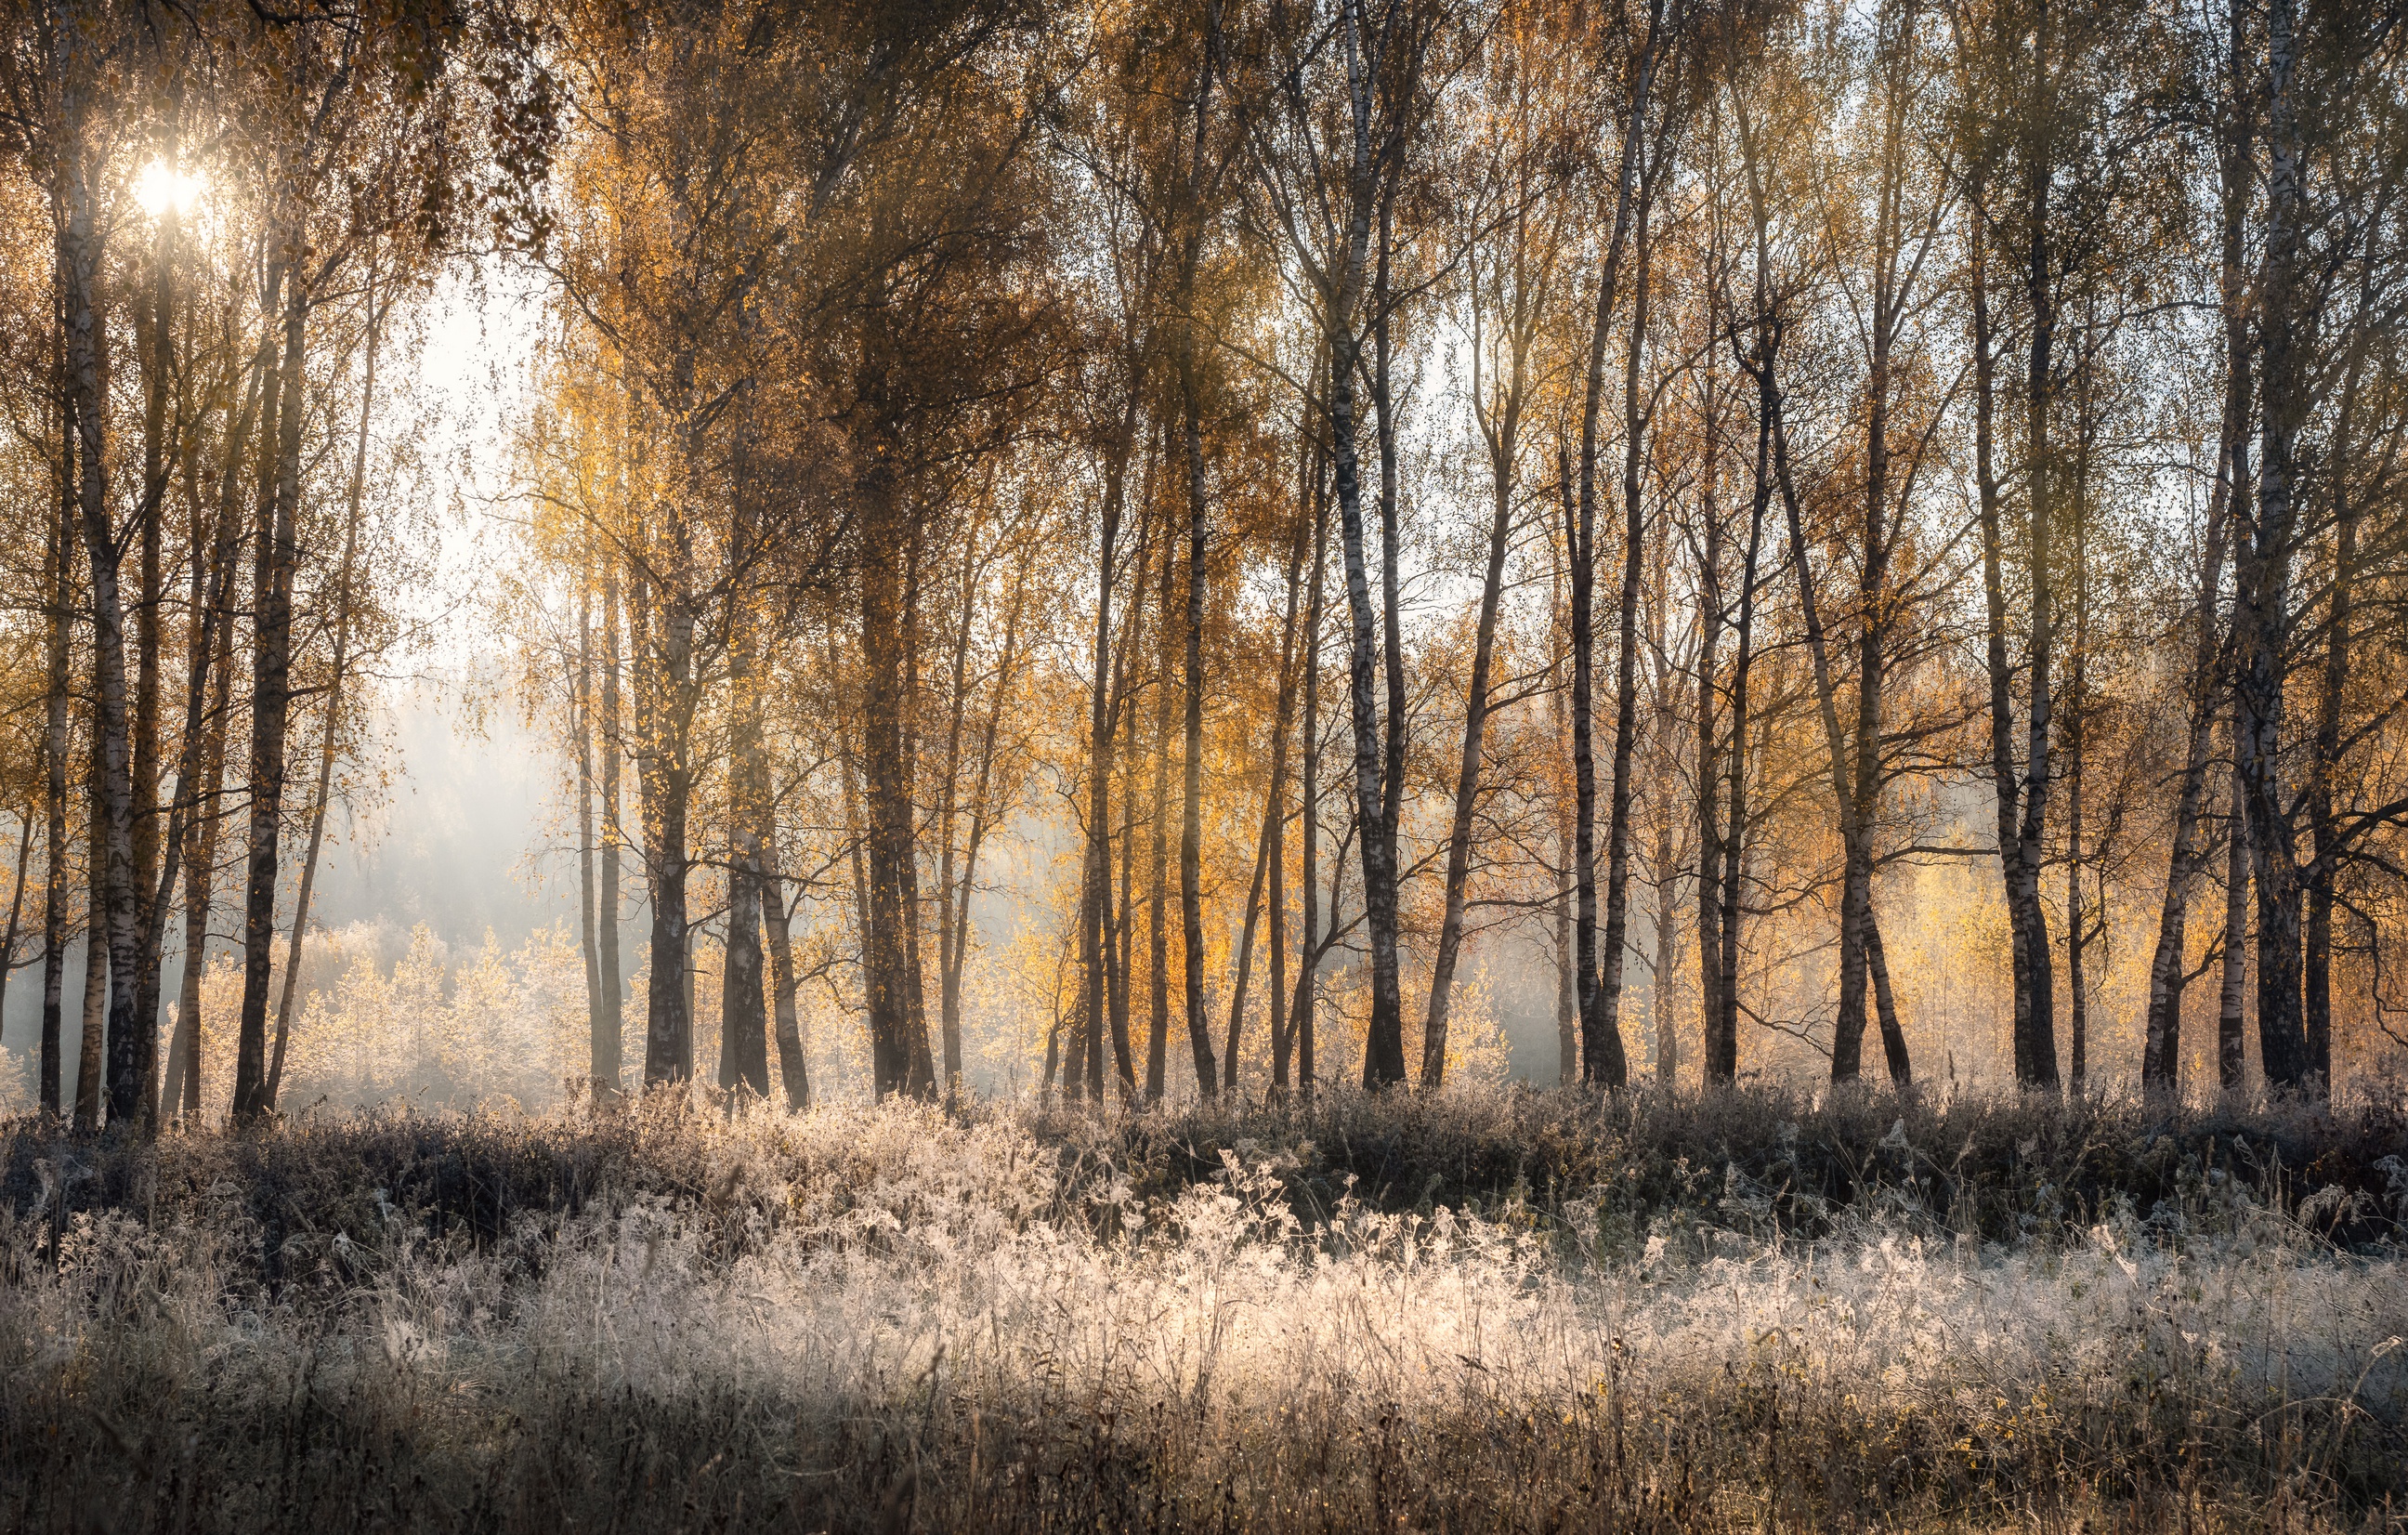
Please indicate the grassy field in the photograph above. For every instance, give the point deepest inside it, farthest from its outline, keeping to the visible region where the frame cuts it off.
(1525, 1311)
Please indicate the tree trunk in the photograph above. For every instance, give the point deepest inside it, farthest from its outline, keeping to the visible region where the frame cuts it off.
(16, 902)
(899, 1054)
(1384, 1057)
(1266, 856)
(2077, 740)
(1602, 1062)
(582, 730)
(2325, 761)
(2033, 1029)
(1157, 928)
(1095, 892)
(1614, 949)
(948, 962)
(1667, 956)
(1503, 449)
(89, 1098)
(209, 688)
(1120, 949)
(2231, 1060)
(663, 675)
(2317, 959)
(743, 1003)
(2264, 615)
(157, 351)
(2076, 931)
(1191, 823)
(2161, 1051)
(1767, 471)
(1719, 1062)
(1309, 491)
(183, 1081)
(1901, 1074)
(1862, 788)
(1245, 957)
(1308, 944)
(743, 1007)
(1733, 838)
(1398, 723)
(794, 1070)
(610, 1030)
(914, 906)
(131, 1058)
(2037, 1051)
(59, 598)
(275, 554)
(330, 733)
(981, 798)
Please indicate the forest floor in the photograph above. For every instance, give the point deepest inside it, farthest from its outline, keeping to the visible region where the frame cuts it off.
(1514, 1310)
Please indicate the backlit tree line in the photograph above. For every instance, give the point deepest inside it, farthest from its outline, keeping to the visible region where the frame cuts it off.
(1854, 540)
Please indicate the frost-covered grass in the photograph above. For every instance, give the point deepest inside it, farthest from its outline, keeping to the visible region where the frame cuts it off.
(897, 1319)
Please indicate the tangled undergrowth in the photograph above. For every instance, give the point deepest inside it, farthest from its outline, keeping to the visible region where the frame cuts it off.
(1523, 1310)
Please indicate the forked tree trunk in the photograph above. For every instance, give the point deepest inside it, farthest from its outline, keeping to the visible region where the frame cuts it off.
(275, 554)
(900, 1058)
(130, 1055)
(2161, 1050)
(1602, 1060)
(2262, 611)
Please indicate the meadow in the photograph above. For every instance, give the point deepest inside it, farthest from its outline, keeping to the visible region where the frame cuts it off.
(1483, 1309)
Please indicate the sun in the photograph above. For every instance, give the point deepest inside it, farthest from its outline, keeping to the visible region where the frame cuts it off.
(162, 188)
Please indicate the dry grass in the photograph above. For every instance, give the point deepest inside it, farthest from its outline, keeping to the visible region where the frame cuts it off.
(1519, 1310)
